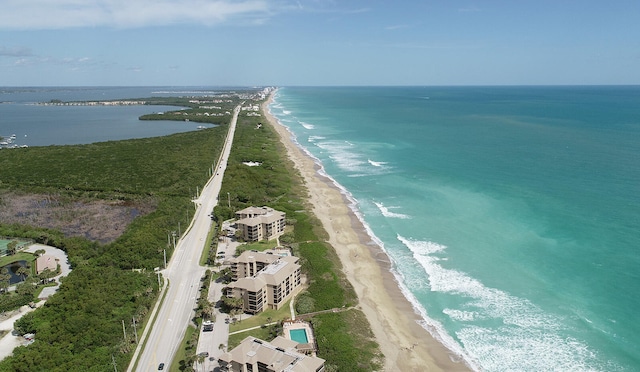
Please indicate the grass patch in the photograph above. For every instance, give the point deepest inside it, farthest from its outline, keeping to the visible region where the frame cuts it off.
(211, 244)
(257, 246)
(264, 317)
(20, 256)
(184, 351)
(261, 333)
(346, 341)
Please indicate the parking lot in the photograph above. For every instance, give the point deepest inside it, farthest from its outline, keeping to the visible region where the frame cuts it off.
(210, 342)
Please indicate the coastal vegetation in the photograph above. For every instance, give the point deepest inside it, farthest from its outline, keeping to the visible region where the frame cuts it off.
(81, 327)
(112, 282)
(345, 339)
(30, 285)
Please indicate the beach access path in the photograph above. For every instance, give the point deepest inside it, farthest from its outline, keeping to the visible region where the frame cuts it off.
(406, 345)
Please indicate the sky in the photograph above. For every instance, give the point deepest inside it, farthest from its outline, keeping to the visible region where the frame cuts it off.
(318, 42)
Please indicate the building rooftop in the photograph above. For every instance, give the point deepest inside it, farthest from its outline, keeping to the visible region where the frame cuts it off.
(279, 355)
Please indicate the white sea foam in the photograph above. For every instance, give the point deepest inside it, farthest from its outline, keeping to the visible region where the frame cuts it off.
(526, 338)
(307, 125)
(376, 163)
(343, 155)
(432, 326)
(387, 213)
(315, 138)
(460, 315)
(286, 112)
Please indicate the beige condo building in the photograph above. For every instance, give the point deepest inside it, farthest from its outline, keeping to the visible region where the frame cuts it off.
(263, 281)
(279, 355)
(260, 223)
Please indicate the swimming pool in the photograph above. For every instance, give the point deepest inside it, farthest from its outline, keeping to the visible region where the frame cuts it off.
(299, 336)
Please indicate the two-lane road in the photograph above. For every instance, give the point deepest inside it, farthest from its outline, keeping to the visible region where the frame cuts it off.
(183, 273)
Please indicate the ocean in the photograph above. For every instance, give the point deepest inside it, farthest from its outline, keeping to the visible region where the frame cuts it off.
(38, 125)
(511, 214)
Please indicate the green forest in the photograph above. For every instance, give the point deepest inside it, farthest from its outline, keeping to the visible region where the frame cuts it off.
(81, 327)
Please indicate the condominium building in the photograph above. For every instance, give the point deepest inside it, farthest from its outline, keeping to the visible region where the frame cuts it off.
(260, 223)
(250, 262)
(279, 355)
(263, 281)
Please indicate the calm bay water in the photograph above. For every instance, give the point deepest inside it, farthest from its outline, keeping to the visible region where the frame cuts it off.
(512, 214)
(37, 125)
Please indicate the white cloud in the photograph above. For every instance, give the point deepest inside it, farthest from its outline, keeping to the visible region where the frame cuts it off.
(60, 14)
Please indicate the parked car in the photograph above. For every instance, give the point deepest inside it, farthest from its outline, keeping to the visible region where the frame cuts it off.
(160, 366)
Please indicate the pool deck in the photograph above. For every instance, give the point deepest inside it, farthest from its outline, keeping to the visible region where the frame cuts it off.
(289, 325)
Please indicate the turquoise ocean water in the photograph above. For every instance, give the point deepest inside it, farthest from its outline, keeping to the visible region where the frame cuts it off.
(512, 214)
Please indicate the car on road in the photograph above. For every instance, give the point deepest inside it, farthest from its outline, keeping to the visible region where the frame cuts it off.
(160, 366)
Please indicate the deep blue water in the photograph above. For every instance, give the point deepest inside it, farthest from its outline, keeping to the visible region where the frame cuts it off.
(36, 125)
(512, 214)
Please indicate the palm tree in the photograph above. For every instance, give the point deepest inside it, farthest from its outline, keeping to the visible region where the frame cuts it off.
(39, 252)
(207, 309)
(23, 272)
(200, 359)
(12, 247)
(5, 277)
(46, 274)
(191, 359)
(233, 314)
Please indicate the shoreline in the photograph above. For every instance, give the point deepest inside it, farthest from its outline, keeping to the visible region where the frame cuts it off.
(406, 345)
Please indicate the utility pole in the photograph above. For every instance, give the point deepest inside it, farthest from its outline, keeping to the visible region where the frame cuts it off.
(135, 331)
(113, 360)
(124, 331)
(165, 257)
(229, 200)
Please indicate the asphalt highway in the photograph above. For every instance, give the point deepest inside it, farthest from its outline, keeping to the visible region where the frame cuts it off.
(183, 274)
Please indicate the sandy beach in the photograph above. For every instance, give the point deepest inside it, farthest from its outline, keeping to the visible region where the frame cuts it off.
(406, 345)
